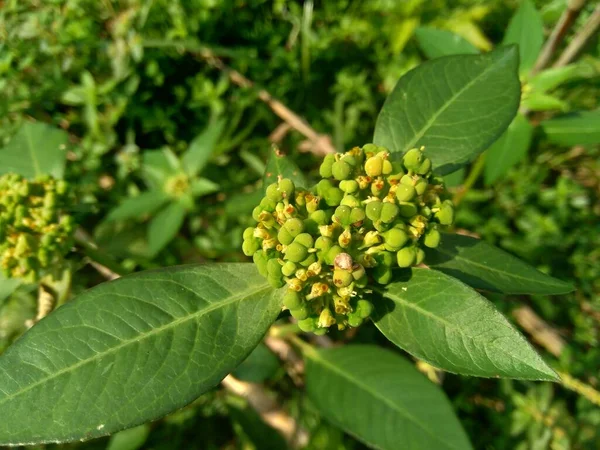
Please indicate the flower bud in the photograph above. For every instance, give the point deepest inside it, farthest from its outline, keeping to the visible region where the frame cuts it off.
(326, 165)
(342, 278)
(406, 257)
(294, 227)
(364, 308)
(292, 299)
(273, 193)
(307, 325)
(354, 320)
(395, 239)
(405, 193)
(288, 268)
(342, 215)
(341, 170)
(407, 209)
(299, 313)
(374, 166)
(260, 259)
(432, 238)
(296, 252)
(333, 197)
(349, 186)
(351, 201)
(248, 233)
(357, 216)
(412, 159)
(389, 212)
(425, 167)
(373, 210)
(250, 246)
(326, 319)
(421, 186)
(305, 239)
(445, 215)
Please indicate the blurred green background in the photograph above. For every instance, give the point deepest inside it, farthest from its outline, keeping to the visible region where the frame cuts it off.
(139, 84)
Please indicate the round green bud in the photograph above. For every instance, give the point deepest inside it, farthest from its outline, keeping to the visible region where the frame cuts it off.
(425, 167)
(420, 256)
(364, 308)
(374, 166)
(294, 227)
(332, 253)
(421, 186)
(342, 215)
(288, 268)
(268, 205)
(296, 252)
(323, 243)
(321, 216)
(358, 272)
(284, 236)
(276, 281)
(351, 201)
(373, 210)
(395, 239)
(370, 148)
(248, 233)
(349, 186)
(333, 197)
(305, 239)
(432, 238)
(406, 257)
(341, 170)
(307, 325)
(387, 167)
(312, 258)
(354, 320)
(342, 278)
(412, 159)
(323, 187)
(407, 209)
(299, 313)
(405, 193)
(250, 246)
(326, 165)
(389, 212)
(273, 193)
(445, 215)
(357, 216)
(286, 187)
(292, 299)
(274, 268)
(256, 213)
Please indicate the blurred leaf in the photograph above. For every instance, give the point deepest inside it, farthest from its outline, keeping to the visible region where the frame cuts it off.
(260, 365)
(580, 128)
(131, 439)
(455, 178)
(135, 207)
(444, 322)
(262, 436)
(279, 164)
(202, 186)
(402, 33)
(7, 287)
(550, 78)
(455, 106)
(436, 43)
(36, 149)
(131, 350)
(202, 148)
(536, 101)
(509, 150)
(526, 29)
(381, 399)
(158, 165)
(484, 266)
(165, 226)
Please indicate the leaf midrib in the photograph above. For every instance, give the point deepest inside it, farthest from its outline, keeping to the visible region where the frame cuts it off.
(317, 358)
(446, 105)
(138, 338)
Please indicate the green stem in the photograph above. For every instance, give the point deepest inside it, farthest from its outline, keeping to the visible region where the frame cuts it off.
(91, 251)
(471, 179)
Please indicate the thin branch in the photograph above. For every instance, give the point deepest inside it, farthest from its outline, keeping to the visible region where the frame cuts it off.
(580, 39)
(541, 332)
(560, 30)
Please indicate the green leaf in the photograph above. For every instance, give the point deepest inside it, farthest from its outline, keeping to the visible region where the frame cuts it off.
(536, 101)
(436, 43)
(279, 164)
(444, 322)
(202, 148)
(381, 399)
(203, 186)
(158, 165)
(580, 128)
(145, 203)
(509, 150)
(260, 365)
(484, 266)
(130, 439)
(526, 29)
(455, 178)
(550, 78)
(37, 149)
(454, 106)
(164, 226)
(7, 287)
(130, 351)
(262, 436)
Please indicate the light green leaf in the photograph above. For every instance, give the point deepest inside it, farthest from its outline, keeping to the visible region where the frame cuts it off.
(444, 322)
(580, 128)
(381, 399)
(130, 351)
(203, 186)
(158, 165)
(536, 101)
(509, 150)
(279, 164)
(164, 226)
(130, 439)
(436, 43)
(526, 29)
(37, 149)
(455, 178)
(7, 287)
(260, 365)
(454, 106)
(202, 148)
(484, 266)
(145, 203)
(550, 78)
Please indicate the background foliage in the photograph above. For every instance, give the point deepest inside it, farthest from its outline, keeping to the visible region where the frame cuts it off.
(131, 85)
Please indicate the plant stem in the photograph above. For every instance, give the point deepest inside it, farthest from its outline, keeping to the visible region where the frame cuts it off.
(476, 170)
(104, 263)
(580, 39)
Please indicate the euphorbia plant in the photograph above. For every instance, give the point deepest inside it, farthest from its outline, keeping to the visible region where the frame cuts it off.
(363, 243)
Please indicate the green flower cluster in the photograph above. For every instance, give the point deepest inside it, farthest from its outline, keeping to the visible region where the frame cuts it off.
(35, 233)
(366, 216)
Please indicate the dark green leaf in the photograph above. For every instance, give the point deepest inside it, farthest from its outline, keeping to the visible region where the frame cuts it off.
(130, 439)
(436, 43)
(260, 365)
(381, 399)
(202, 148)
(526, 29)
(454, 106)
(36, 149)
(444, 322)
(164, 226)
(262, 436)
(509, 150)
(158, 165)
(484, 266)
(131, 350)
(145, 203)
(456, 178)
(279, 164)
(581, 128)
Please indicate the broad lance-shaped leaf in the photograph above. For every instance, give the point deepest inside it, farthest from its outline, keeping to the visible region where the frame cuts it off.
(579, 128)
(281, 165)
(454, 106)
(484, 266)
(436, 43)
(131, 350)
(526, 29)
(444, 322)
(37, 149)
(381, 399)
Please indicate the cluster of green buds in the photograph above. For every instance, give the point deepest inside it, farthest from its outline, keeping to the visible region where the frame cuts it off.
(35, 232)
(365, 217)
